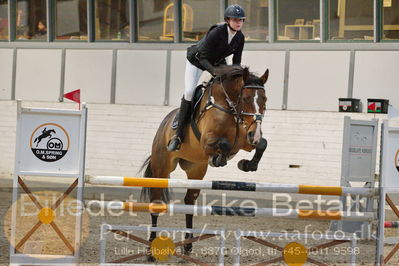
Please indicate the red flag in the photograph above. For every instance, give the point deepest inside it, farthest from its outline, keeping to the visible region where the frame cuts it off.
(73, 96)
(372, 107)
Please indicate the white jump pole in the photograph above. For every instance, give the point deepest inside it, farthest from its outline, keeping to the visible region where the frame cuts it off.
(229, 185)
(232, 211)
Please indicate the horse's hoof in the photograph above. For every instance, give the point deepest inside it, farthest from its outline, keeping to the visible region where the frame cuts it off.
(221, 162)
(151, 258)
(214, 161)
(247, 166)
(218, 161)
(188, 249)
(243, 165)
(253, 167)
(210, 162)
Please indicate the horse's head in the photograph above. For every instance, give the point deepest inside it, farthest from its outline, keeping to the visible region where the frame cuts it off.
(252, 104)
(248, 95)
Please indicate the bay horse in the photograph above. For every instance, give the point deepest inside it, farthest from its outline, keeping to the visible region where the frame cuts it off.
(228, 119)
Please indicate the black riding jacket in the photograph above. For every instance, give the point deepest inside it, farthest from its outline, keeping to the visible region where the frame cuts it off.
(212, 49)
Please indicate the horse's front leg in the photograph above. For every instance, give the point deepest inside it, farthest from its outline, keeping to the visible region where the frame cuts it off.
(252, 165)
(222, 148)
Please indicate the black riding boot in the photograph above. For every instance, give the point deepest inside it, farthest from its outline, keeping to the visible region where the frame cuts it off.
(183, 119)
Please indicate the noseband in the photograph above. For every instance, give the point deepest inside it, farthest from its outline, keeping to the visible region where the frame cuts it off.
(258, 117)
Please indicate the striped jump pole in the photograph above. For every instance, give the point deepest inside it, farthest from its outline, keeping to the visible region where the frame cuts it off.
(229, 185)
(234, 211)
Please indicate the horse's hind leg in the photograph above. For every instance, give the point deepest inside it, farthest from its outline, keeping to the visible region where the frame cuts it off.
(156, 197)
(161, 166)
(193, 171)
(189, 199)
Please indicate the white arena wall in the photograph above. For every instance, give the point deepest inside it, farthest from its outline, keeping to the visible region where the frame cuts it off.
(310, 80)
(119, 139)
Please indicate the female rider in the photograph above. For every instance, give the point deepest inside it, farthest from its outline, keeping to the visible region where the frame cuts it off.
(220, 42)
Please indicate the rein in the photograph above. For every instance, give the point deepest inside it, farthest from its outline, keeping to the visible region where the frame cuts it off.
(233, 107)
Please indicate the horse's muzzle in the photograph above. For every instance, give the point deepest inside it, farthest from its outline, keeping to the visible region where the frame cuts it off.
(255, 136)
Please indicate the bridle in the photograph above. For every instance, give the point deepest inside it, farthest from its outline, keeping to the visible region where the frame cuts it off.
(235, 109)
(258, 117)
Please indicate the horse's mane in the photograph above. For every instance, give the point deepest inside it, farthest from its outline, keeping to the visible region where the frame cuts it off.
(228, 72)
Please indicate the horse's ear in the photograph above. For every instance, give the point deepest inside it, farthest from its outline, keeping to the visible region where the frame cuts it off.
(265, 76)
(245, 74)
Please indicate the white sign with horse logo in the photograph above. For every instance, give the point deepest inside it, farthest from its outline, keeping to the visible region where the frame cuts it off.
(55, 144)
(49, 141)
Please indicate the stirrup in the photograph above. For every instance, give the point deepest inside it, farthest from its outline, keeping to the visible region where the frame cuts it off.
(174, 144)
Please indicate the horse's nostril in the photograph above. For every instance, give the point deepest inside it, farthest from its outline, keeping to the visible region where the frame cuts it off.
(251, 134)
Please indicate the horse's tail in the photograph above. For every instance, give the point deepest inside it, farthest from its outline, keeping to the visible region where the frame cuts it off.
(145, 195)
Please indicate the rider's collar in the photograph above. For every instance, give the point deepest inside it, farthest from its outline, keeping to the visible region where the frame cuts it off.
(230, 29)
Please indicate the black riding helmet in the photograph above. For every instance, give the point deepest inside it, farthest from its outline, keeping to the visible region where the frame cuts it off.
(234, 11)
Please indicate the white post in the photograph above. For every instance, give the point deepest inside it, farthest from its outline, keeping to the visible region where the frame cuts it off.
(379, 256)
(238, 235)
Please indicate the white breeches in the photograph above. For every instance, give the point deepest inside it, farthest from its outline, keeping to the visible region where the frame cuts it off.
(192, 76)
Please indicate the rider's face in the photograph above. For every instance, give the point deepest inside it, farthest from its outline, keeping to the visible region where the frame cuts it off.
(235, 23)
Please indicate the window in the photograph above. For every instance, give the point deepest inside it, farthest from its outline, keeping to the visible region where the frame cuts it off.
(198, 16)
(71, 20)
(351, 20)
(31, 20)
(391, 19)
(112, 20)
(156, 20)
(256, 25)
(3, 20)
(298, 20)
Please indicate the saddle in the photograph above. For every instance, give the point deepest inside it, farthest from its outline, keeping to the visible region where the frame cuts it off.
(195, 102)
